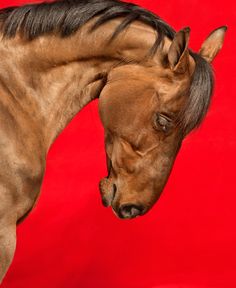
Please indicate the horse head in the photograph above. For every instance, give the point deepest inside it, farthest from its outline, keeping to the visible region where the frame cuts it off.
(147, 109)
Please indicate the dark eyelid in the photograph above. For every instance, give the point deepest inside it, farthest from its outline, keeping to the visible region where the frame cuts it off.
(166, 116)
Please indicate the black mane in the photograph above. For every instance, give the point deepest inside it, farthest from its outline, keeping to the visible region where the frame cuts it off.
(67, 16)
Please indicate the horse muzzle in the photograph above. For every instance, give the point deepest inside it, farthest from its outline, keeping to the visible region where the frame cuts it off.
(108, 192)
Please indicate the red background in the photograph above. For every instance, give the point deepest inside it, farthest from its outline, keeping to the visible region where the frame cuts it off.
(188, 239)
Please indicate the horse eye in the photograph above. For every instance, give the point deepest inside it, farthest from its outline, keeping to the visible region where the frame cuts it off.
(163, 123)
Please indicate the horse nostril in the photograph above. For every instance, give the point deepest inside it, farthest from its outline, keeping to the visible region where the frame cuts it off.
(130, 211)
(114, 191)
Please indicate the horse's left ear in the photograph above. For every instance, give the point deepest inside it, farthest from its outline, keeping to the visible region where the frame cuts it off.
(212, 45)
(178, 55)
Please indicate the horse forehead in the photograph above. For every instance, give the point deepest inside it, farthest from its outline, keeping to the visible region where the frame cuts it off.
(171, 89)
(150, 87)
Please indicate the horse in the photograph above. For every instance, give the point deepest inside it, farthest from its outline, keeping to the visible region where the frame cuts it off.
(55, 58)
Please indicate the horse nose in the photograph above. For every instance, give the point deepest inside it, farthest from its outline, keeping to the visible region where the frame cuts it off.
(130, 211)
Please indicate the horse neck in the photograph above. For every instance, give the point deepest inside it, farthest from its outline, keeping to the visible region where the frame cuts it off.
(53, 78)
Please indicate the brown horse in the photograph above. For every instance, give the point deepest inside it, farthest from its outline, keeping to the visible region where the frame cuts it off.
(55, 58)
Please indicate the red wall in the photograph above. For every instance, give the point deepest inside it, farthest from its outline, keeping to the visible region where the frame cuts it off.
(188, 240)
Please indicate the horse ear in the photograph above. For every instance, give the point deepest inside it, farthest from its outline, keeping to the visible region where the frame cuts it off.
(178, 55)
(213, 43)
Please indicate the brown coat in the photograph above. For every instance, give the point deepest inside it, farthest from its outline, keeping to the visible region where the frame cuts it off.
(46, 80)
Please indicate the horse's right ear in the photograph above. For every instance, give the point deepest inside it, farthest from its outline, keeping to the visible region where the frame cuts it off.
(212, 45)
(178, 55)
